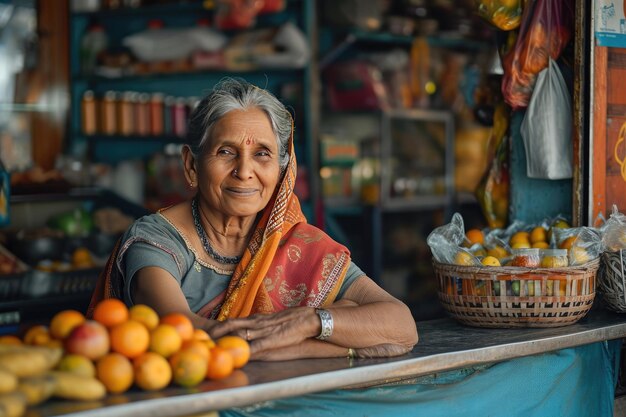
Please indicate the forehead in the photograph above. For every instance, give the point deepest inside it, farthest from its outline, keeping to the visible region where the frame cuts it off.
(252, 125)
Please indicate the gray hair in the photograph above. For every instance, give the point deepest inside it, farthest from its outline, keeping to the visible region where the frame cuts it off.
(237, 94)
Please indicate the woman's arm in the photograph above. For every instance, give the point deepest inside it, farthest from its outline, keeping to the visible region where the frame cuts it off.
(367, 318)
(157, 288)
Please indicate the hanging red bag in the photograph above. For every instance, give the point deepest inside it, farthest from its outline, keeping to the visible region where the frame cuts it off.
(547, 26)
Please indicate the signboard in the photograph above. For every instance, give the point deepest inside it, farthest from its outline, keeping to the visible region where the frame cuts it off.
(610, 23)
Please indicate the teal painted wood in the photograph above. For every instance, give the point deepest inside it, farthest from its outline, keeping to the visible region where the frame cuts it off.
(533, 200)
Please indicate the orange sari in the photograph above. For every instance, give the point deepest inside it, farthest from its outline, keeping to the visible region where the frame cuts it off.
(287, 263)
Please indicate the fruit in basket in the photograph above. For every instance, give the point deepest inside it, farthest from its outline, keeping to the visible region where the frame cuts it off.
(579, 255)
(568, 242)
(490, 261)
(520, 237)
(538, 234)
(540, 245)
(115, 371)
(521, 245)
(77, 364)
(152, 371)
(64, 322)
(515, 286)
(474, 236)
(463, 258)
(90, 339)
(497, 252)
(110, 312)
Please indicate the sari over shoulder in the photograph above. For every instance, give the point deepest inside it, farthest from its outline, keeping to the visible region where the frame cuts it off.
(287, 263)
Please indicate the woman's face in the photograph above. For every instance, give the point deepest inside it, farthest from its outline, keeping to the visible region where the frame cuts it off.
(239, 170)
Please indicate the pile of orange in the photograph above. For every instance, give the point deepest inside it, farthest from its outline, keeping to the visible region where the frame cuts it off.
(141, 348)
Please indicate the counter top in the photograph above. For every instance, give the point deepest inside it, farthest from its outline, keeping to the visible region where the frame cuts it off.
(444, 345)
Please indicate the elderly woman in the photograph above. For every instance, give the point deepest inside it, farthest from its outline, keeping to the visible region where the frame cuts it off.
(239, 258)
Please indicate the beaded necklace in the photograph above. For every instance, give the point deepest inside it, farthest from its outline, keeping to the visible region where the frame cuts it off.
(228, 260)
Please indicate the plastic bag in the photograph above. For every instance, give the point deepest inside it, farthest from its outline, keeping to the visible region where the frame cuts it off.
(492, 192)
(504, 14)
(547, 127)
(547, 26)
(614, 231)
(444, 243)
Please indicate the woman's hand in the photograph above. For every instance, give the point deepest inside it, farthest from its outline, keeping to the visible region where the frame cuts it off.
(267, 332)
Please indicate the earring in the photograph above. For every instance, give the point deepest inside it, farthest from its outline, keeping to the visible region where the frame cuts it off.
(191, 184)
(235, 172)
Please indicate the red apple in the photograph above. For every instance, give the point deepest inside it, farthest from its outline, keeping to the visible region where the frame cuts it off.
(90, 339)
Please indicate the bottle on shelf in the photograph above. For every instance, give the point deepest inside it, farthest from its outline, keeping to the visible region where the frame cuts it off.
(92, 44)
(88, 112)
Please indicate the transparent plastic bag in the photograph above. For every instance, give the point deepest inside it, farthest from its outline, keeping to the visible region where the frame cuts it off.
(583, 244)
(547, 26)
(444, 242)
(614, 231)
(547, 127)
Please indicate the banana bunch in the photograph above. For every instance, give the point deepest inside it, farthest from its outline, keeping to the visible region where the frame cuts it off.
(27, 378)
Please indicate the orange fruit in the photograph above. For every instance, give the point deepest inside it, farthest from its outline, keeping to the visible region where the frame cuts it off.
(165, 340)
(538, 234)
(144, 315)
(110, 312)
(81, 258)
(520, 237)
(221, 363)
(490, 261)
(37, 335)
(181, 323)
(199, 334)
(10, 339)
(188, 368)
(152, 371)
(561, 224)
(197, 346)
(210, 343)
(130, 338)
(567, 243)
(77, 364)
(239, 348)
(475, 236)
(64, 322)
(116, 372)
(540, 245)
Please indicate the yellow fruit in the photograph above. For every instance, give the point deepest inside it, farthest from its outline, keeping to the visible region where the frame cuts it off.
(37, 335)
(520, 245)
(480, 252)
(77, 387)
(561, 224)
(541, 245)
(463, 258)
(579, 255)
(238, 347)
(520, 237)
(490, 261)
(77, 364)
(144, 315)
(152, 371)
(165, 340)
(538, 234)
(64, 322)
(497, 252)
(188, 368)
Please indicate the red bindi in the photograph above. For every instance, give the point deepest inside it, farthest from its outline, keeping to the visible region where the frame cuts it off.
(248, 141)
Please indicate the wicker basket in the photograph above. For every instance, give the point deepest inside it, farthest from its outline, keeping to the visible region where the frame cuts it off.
(516, 297)
(612, 280)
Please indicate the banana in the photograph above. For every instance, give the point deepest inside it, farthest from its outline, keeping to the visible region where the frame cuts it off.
(37, 389)
(25, 361)
(8, 381)
(77, 387)
(12, 405)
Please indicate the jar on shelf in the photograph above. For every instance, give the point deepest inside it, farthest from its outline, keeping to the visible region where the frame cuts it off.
(526, 257)
(156, 114)
(125, 114)
(88, 113)
(108, 117)
(142, 115)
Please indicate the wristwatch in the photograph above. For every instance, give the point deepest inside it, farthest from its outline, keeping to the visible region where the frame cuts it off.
(327, 323)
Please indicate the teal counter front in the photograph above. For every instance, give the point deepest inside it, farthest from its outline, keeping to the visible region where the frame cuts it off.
(454, 370)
